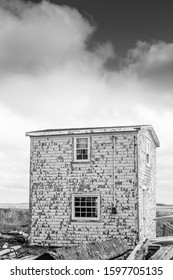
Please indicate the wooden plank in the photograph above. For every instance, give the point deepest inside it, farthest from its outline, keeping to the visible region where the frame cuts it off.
(164, 229)
(154, 246)
(105, 250)
(164, 253)
(169, 254)
(9, 250)
(167, 225)
(140, 251)
(164, 218)
(159, 253)
(162, 239)
(28, 257)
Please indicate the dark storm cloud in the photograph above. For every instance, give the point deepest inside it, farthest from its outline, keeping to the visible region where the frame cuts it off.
(73, 88)
(153, 64)
(41, 37)
(52, 40)
(14, 7)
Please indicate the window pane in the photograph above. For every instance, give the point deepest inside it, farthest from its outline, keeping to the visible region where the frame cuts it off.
(94, 201)
(77, 214)
(88, 203)
(82, 151)
(82, 148)
(82, 154)
(85, 156)
(83, 215)
(86, 207)
(82, 140)
(83, 201)
(77, 203)
(88, 212)
(79, 157)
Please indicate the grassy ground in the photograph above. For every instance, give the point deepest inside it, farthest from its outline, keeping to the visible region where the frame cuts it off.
(159, 226)
(14, 219)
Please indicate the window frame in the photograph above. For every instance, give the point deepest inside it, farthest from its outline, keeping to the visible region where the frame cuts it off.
(85, 218)
(148, 155)
(75, 148)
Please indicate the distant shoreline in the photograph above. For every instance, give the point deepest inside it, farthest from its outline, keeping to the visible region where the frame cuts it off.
(14, 205)
(159, 206)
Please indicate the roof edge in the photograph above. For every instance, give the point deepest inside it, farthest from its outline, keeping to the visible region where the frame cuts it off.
(93, 130)
(88, 130)
(153, 135)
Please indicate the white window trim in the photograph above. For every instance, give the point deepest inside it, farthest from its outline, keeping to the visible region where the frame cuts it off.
(148, 148)
(81, 160)
(85, 218)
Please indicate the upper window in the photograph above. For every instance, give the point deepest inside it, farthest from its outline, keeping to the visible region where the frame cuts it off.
(81, 149)
(148, 153)
(85, 207)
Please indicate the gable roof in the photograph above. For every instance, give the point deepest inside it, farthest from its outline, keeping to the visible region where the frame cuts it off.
(94, 130)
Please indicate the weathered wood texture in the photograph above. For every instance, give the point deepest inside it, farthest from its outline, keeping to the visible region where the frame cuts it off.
(147, 180)
(140, 251)
(95, 251)
(162, 240)
(167, 222)
(10, 251)
(165, 218)
(55, 177)
(28, 257)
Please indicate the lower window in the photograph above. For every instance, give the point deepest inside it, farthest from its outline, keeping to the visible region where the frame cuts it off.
(85, 207)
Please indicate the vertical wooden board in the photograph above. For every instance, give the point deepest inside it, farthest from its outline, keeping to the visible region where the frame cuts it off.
(140, 251)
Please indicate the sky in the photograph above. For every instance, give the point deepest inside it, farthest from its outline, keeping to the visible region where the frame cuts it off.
(81, 64)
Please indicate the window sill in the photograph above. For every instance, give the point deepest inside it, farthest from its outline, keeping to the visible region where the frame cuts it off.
(85, 220)
(81, 161)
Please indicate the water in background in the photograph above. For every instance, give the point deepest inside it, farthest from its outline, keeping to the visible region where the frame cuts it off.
(14, 205)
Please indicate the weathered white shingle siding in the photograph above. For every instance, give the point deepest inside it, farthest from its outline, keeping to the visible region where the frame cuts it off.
(147, 180)
(55, 177)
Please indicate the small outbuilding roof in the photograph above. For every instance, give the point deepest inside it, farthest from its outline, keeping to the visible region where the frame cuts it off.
(95, 130)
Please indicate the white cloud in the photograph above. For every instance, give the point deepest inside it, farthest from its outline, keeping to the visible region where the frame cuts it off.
(153, 64)
(14, 156)
(45, 36)
(50, 79)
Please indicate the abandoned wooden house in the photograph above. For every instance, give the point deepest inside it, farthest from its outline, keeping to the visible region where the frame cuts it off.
(92, 184)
